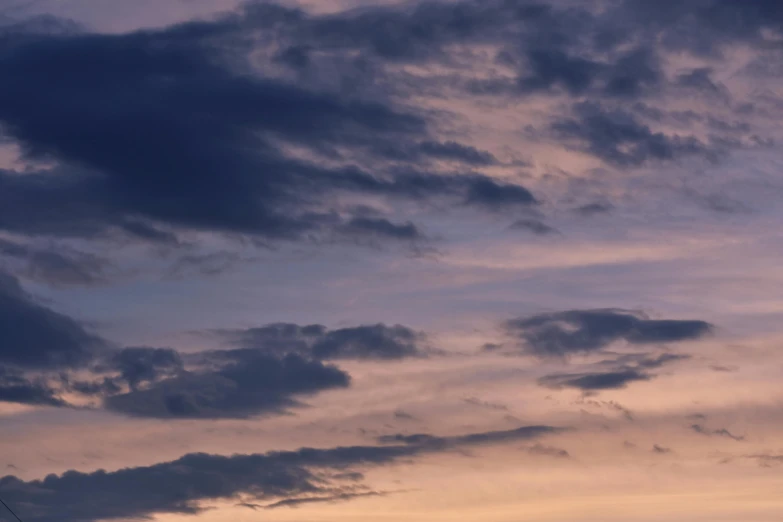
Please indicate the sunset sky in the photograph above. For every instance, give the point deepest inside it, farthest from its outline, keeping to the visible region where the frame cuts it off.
(353, 260)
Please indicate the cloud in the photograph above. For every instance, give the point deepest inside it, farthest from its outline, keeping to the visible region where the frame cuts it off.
(428, 151)
(547, 451)
(183, 485)
(491, 437)
(475, 401)
(148, 232)
(594, 381)
(60, 266)
(548, 49)
(582, 331)
(381, 228)
(700, 80)
(190, 139)
(629, 75)
(404, 415)
(707, 27)
(766, 460)
(259, 122)
(210, 264)
(379, 341)
(342, 497)
(255, 384)
(368, 342)
(618, 137)
(451, 150)
(490, 194)
(651, 362)
(273, 368)
(592, 209)
(15, 387)
(535, 226)
(698, 428)
(143, 364)
(36, 337)
(612, 374)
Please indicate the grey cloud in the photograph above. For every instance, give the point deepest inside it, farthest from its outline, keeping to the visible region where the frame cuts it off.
(210, 143)
(210, 264)
(705, 27)
(36, 337)
(594, 381)
(548, 451)
(57, 266)
(341, 497)
(535, 226)
(404, 415)
(148, 232)
(629, 75)
(592, 209)
(475, 401)
(183, 485)
(492, 437)
(766, 460)
(426, 151)
(271, 369)
(698, 428)
(451, 150)
(257, 384)
(381, 227)
(612, 374)
(700, 79)
(619, 138)
(15, 387)
(369, 342)
(642, 361)
(724, 369)
(580, 331)
(144, 364)
(648, 362)
(91, 388)
(379, 341)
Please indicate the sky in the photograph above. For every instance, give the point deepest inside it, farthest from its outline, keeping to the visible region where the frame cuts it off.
(343, 260)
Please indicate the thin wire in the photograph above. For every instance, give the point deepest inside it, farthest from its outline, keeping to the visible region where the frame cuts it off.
(10, 510)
